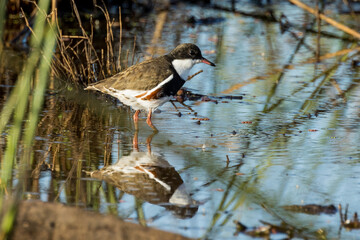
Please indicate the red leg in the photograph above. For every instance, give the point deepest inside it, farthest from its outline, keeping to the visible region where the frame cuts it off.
(148, 142)
(148, 121)
(136, 118)
(135, 141)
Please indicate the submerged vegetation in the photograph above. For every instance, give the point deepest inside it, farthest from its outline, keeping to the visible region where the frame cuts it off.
(281, 153)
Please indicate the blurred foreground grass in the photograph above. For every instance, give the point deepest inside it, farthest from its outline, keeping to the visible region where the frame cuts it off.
(21, 112)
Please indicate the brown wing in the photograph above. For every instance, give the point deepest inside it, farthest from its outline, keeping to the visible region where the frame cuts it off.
(142, 76)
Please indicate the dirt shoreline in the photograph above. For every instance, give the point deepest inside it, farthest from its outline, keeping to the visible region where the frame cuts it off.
(43, 220)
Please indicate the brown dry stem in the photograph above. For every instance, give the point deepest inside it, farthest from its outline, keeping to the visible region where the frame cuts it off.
(331, 21)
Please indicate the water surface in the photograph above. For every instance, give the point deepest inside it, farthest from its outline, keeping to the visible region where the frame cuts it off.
(292, 139)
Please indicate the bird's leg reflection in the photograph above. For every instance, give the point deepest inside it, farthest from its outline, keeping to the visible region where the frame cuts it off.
(148, 176)
(148, 141)
(135, 141)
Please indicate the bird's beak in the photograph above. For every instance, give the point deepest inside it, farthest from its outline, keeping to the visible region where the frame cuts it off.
(204, 60)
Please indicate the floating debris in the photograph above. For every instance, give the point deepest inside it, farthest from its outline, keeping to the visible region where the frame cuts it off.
(353, 223)
(313, 130)
(239, 226)
(208, 52)
(312, 209)
(201, 119)
(184, 94)
(284, 23)
(263, 231)
(355, 63)
(205, 21)
(205, 99)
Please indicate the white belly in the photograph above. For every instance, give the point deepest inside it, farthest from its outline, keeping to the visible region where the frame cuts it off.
(128, 97)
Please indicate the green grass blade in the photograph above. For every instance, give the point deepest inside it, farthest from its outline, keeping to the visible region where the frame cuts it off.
(39, 91)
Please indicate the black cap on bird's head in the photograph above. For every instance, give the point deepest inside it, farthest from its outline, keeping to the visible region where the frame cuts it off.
(189, 51)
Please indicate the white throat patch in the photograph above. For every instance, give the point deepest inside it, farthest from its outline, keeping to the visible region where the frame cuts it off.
(183, 66)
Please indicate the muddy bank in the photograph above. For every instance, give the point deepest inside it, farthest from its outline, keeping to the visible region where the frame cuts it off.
(40, 220)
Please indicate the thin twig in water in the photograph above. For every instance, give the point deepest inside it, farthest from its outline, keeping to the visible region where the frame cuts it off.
(172, 102)
(190, 77)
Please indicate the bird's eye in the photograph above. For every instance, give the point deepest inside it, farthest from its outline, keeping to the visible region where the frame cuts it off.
(192, 52)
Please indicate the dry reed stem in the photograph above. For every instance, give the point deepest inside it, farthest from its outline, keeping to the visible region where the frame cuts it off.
(318, 22)
(62, 49)
(159, 26)
(102, 56)
(78, 60)
(127, 58)
(70, 175)
(76, 45)
(77, 15)
(310, 60)
(331, 55)
(53, 9)
(28, 25)
(91, 28)
(337, 87)
(55, 154)
(240, 85)
(133, 51)
(75, 37)
(39, 9)
(119, 57)
(326, 19)
(109, 39)
(75, 54)
(30, 28)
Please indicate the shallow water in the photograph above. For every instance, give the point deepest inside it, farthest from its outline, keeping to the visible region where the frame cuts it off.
(292, 140)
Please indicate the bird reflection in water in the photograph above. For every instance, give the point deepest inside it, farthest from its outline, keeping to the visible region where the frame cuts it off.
(148, 176)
